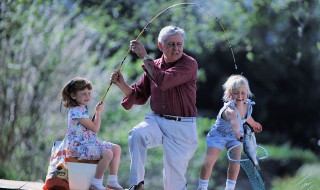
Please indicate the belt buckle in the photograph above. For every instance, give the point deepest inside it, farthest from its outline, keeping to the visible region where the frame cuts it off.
(169, 117)
(174, 118)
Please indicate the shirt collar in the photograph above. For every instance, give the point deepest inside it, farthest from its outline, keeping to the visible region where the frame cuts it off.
(166, 65)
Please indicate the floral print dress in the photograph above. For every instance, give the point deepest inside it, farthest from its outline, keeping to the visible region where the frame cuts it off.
(83, 143)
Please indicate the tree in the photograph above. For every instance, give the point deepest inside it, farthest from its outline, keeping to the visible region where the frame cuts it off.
(43, 45)
(46, 43)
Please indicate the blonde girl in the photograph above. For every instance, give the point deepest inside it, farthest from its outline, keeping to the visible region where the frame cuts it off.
(83, 141)
(228, 129)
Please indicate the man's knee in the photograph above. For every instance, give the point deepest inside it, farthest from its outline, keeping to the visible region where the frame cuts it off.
(136, 135)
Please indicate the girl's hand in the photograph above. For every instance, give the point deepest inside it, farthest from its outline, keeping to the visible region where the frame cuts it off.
(99, 107)
(239, 136)
(257, 127)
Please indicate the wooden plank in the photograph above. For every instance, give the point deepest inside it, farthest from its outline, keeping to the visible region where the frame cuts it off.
(25, 185)
(71, 159)
(32, 186)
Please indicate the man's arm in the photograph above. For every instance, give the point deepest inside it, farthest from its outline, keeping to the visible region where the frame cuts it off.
(117, 79)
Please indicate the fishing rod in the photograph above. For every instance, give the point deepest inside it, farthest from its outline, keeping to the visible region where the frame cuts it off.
(154, 18)
(142, 31)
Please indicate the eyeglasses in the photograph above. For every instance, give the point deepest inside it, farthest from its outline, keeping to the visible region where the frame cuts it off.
(172, 44)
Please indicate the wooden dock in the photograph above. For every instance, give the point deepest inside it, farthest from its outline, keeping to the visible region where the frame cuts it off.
(25, 185)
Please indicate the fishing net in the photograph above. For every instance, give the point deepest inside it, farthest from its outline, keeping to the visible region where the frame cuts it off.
(246, 164)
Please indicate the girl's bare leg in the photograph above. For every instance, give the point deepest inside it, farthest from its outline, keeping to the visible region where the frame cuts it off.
(103, 163)
(234, 167)
(114, 164)
(209, 161)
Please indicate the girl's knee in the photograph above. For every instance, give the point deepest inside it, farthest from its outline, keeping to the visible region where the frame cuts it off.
(107, 153)
(116, 149)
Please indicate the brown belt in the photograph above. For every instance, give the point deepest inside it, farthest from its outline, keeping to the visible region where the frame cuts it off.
(174, 118)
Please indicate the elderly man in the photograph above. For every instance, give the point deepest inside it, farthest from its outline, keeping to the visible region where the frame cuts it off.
(170, 82)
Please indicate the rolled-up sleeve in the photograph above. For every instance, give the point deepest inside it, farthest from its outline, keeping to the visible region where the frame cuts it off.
(140, 94)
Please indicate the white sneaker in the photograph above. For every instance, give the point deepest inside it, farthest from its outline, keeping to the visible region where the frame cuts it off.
(202, 188)
(229, 188)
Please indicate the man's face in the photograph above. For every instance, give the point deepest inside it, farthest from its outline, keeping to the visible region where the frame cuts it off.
(172, 48)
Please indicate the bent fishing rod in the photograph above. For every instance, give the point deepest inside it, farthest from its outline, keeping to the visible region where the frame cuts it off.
(154, 18)
(142, 31)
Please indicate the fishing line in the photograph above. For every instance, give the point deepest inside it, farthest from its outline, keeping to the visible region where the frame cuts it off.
(181, 5)
(142, 31)
(224, 32)
(203, 6)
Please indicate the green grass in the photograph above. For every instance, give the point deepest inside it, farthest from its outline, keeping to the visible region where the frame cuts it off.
(307, 178)
(285, 152)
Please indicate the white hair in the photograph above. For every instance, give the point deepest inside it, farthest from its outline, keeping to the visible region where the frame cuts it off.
(170, 30)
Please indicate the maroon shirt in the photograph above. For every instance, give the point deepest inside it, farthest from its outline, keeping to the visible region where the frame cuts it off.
(172, 91)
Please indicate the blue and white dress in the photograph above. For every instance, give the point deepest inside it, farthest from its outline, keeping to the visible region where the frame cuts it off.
(221, 135)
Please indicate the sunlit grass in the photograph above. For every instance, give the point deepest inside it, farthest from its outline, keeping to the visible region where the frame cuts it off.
(307, 178)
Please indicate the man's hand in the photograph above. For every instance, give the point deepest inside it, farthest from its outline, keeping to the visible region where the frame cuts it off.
(117, 78)
(137, 48)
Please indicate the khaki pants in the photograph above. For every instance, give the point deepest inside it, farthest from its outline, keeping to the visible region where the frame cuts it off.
(179, 140)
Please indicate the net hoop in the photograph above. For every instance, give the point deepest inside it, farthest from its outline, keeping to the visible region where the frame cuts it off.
(262, 153)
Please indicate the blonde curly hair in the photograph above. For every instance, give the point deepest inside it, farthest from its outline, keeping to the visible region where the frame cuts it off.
(234, 82)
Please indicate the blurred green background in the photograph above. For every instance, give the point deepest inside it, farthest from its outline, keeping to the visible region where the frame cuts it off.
(275, 43)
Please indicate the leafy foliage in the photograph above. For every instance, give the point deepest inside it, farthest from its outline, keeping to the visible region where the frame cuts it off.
(46, 43)
(43, 46)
